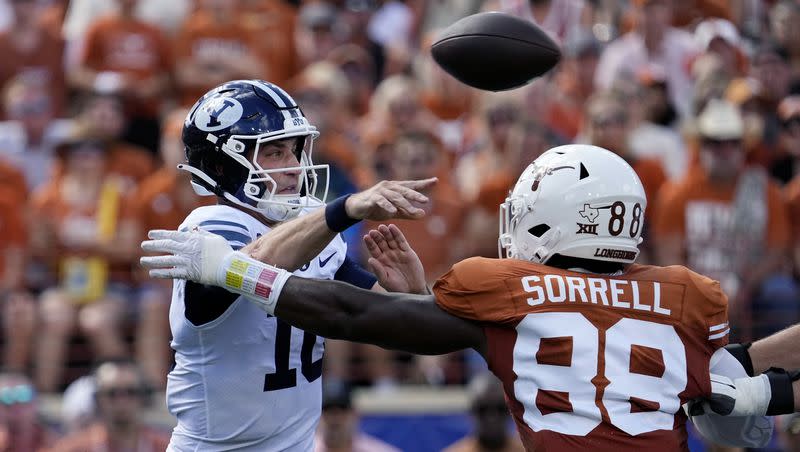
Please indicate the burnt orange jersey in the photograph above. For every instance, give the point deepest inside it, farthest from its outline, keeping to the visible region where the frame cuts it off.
(593, 362)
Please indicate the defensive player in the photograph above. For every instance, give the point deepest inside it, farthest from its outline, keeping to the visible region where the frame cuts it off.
(594, 352)
(244, 380)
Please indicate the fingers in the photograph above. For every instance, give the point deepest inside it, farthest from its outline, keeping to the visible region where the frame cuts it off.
(169, 273)
(380, 240)
(378, 269)
(403, 204)
(398, 238)
(420, 184)
(178, 236)
(162, 246)
(163, 261)
(372, 247)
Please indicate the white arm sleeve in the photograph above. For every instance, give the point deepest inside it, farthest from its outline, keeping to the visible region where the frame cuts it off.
(747, 431)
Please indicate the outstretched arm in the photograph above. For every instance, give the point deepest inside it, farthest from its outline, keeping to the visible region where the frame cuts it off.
(412, 323)
(292, 244)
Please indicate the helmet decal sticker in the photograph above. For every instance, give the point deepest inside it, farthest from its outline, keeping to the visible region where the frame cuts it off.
(218, 113)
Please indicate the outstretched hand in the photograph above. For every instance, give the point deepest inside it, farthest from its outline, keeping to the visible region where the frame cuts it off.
(394, 262)
(390, 199)
(195, 255)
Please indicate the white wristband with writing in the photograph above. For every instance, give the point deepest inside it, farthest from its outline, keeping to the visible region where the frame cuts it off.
(258, 282)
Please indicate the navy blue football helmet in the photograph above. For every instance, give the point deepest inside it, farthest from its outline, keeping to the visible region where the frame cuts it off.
(222, 135)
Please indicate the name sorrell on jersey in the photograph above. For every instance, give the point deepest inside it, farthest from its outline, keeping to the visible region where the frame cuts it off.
(607, 292)
(615, 254)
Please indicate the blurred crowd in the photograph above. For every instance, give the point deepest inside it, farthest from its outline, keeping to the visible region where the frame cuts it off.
(702, 97)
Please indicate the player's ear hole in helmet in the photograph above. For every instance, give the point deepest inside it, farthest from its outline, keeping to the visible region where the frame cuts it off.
(574, 206)
(228, 132)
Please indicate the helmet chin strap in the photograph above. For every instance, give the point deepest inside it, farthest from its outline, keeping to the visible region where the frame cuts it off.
(268, 212)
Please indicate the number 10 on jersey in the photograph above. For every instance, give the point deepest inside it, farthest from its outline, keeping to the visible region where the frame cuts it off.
(574, 377)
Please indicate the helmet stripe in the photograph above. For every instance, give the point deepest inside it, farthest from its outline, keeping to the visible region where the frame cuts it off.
(281, 102)
(281, 92)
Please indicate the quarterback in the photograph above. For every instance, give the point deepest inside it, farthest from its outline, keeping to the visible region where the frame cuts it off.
(244, 379)
(594, 351)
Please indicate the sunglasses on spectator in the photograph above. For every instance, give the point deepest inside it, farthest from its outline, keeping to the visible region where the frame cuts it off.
(486, 409)
(19, 394)
(715, 143)
(113, 393)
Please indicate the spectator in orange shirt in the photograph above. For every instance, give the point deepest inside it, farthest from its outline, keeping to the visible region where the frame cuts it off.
(34, 53)
(83, 230)
(122, 396)
(490, 419)
(728, 220)
(161, 201)
(122, 54)
(213, 47)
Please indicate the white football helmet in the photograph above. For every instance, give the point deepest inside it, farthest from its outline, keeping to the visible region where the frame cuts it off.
(576, 200)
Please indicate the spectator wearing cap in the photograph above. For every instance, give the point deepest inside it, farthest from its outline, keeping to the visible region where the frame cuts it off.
(744, 93)
(121, 397)
(728, 220)
(124, 55)
(82, 228)
(720, 39)
(161, 201)
(490, 419)
(653, 41)
(338, 425)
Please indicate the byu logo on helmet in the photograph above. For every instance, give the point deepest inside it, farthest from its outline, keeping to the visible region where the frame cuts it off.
(218, 113)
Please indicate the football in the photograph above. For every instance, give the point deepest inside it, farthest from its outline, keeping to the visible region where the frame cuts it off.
(495, 51)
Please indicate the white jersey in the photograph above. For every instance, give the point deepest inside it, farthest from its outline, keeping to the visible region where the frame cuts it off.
(245, 381)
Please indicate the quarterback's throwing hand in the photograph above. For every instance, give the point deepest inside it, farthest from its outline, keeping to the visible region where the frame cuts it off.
(195, 256)
(390, 199)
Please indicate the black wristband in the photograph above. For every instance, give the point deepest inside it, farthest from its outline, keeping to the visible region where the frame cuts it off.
(741, 353)
(336, 215)
(780, 383)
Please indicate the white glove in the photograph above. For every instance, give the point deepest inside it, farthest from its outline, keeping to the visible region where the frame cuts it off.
(747, 396)
(196, 256)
